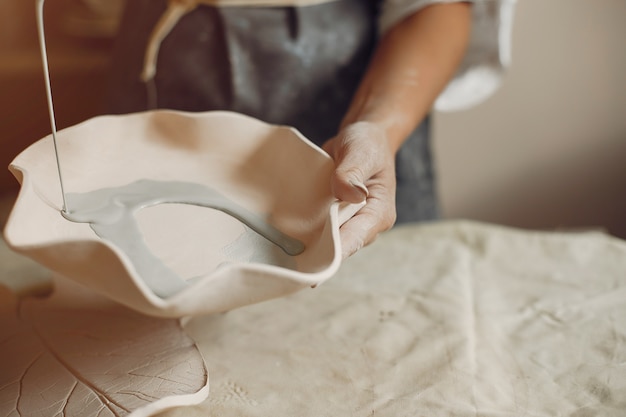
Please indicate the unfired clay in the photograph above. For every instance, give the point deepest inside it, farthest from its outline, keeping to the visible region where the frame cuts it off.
(78, 354)
(271, 171)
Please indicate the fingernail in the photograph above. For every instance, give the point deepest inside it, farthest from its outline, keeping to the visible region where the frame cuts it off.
(361, 187)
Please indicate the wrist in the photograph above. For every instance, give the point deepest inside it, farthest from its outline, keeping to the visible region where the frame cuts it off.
(393, 126)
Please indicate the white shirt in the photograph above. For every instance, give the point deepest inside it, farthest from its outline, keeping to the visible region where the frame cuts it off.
(488, 54)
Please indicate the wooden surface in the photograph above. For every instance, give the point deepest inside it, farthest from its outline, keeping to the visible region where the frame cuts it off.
(78, 67)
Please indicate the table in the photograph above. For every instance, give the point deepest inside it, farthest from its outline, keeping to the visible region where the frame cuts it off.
(444, 319)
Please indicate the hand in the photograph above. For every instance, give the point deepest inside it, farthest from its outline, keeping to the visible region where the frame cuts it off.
(365, 170)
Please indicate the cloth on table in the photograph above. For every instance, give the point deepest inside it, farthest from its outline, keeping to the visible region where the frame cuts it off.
(446, 319)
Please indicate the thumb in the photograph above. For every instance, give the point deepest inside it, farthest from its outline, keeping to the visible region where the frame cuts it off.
(357, 159)
(348, 179)
(348, 183)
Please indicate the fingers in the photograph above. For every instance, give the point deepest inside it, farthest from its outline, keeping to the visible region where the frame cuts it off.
(377, 216)
(360, 152)
(364, 170)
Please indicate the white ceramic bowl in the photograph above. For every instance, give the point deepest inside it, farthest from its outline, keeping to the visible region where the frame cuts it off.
(272, 171)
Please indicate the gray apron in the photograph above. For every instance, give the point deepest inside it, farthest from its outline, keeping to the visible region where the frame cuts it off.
(284, 65)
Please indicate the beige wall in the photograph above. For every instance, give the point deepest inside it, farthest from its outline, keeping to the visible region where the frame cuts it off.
(549, 148)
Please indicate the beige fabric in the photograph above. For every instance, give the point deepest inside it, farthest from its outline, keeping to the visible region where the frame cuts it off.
(453, 319)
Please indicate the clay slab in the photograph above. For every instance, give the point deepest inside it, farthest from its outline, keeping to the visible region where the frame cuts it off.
(272, 171)
(77, 353)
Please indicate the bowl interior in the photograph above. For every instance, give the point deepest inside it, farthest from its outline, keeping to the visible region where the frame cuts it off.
(270, 171)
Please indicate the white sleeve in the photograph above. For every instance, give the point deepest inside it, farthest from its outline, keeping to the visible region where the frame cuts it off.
(394, 11)
(488, 54)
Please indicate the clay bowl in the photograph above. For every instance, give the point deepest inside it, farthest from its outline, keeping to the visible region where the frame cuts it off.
(272, 171)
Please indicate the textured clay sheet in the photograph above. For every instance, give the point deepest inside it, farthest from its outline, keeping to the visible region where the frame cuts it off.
(76, 353)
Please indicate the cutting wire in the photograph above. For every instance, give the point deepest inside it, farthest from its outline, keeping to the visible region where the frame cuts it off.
(46, 70)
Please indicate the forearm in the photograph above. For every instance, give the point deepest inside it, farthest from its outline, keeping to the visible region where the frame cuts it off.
(412, 64)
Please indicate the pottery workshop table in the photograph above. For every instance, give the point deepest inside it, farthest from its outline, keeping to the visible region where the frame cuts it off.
(446, 319)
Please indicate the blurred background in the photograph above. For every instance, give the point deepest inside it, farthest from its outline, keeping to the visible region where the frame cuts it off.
(547, 151)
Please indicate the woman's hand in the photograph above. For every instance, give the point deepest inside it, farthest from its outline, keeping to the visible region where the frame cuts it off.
(365, 170)
(412, 64)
